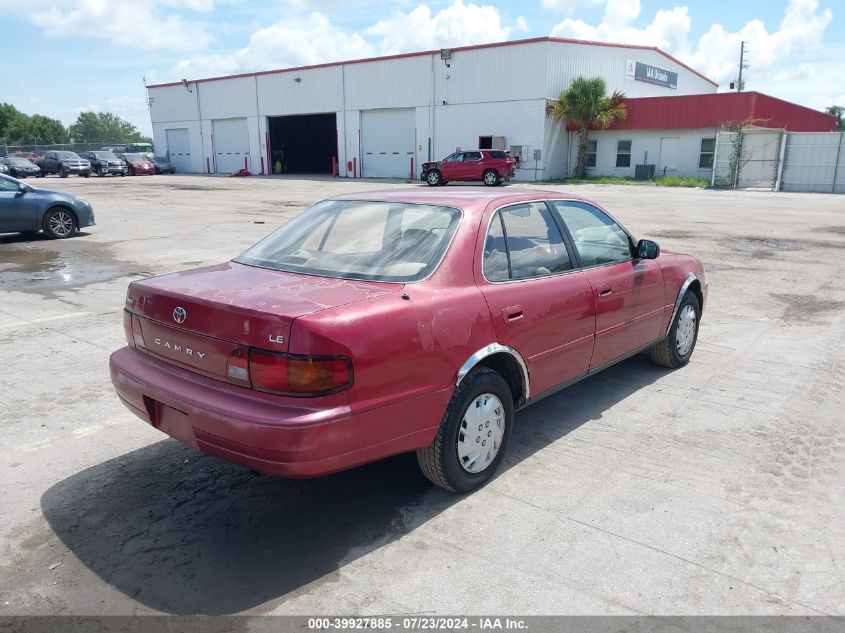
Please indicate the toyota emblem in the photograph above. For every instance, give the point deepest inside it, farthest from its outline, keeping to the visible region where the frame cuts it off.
(179, 314)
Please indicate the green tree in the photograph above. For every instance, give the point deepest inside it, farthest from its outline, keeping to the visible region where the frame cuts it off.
(104, 126)
(839, 113)
(8, 114)
(586, 105)
(36, 129)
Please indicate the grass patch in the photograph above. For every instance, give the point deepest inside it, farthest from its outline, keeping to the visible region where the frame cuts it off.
(658, 181)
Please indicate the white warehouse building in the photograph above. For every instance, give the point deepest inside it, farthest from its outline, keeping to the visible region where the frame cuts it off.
(383, 117)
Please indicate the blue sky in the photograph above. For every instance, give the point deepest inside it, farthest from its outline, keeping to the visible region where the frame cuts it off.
(75, 55)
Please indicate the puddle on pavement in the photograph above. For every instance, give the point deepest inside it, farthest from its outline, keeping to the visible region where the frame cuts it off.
(46, 269)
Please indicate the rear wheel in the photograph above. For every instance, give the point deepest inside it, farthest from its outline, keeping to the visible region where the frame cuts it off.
(471, 441)
(676, 349)
(433, 178)
(59, 224)
(490, 177)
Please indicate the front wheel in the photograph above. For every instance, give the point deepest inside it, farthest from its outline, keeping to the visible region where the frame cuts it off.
(471, 441)
(676, 349)
(64, 172)
(86, 174)
(59, 224)
(433, 178)
(490, 178)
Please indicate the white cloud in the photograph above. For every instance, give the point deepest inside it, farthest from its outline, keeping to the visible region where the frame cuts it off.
(568, 7)
(313, 39)
(717, 51)
(456, 25)
(123, 22)
(293, 42)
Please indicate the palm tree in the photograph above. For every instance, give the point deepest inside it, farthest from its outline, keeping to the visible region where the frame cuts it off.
(584, 103)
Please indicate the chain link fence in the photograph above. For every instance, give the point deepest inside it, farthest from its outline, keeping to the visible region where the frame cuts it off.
(39, 149)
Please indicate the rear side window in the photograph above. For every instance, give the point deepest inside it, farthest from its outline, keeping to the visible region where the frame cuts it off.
(472, 156)
(497, 154)
(523, 243)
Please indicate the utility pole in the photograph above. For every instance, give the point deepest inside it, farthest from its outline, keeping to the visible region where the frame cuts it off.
(741, 66)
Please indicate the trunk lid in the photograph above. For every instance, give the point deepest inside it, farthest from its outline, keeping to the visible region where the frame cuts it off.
(198, 318)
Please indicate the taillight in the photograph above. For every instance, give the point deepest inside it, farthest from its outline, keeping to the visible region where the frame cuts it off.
(136, 339)
(237, 367)
(295, 375)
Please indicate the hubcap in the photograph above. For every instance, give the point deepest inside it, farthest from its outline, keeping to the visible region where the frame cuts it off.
(61, 223)
(481, 433)
(490, 178)
(685, 334)
(433, 178)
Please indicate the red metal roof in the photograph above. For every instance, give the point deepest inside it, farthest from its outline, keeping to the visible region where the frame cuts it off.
(532, 40)
(713, 110)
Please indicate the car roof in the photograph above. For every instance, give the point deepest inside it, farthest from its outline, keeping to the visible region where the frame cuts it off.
(460, 197)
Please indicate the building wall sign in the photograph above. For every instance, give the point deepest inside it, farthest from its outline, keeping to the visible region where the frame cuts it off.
(651, 74)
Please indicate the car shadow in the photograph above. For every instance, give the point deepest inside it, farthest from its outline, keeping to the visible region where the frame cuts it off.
(25, 238)
(185, 533)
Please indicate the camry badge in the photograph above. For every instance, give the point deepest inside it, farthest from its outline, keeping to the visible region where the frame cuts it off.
(179, 314)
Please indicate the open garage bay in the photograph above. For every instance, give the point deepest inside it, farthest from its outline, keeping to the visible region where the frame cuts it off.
(714, 489)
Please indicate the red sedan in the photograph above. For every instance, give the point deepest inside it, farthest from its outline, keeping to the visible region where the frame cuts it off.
(138, 165)
(386, 322)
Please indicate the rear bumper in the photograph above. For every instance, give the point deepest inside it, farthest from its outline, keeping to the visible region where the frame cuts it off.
(262, 433)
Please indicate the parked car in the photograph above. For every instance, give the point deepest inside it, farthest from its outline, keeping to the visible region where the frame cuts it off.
(137, 164)
(162, 165)
(3, 168)
(32, 157)
(385, 322)
(104, 163)
(19, 167)
(490, 166)
(64, 164)
(26, 209)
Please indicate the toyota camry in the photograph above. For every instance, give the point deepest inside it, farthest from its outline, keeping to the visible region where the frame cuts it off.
(388, 322)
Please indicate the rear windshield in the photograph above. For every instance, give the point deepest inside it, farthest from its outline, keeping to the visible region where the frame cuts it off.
(378, 241)
(66, 155)
(497, 153)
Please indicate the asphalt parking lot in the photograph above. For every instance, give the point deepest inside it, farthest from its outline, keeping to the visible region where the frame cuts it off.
(715, 489)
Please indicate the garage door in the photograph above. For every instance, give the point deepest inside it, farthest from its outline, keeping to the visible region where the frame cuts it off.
(179, 149)
(231, 144)
(387, 142)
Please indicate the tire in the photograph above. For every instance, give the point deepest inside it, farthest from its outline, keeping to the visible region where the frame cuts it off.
(13, 173)
(102, 172)
(490, 178)
(40, 174)
(59, 223)
(63, 172)
(434, 178)
(122, 174)
(483, 399)
(676, 349)
(86, 174)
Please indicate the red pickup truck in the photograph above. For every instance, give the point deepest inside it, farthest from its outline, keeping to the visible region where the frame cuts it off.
(491, 166)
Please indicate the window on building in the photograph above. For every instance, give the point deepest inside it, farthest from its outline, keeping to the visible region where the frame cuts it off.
(623, 153)
(592, 149)
(708, 149)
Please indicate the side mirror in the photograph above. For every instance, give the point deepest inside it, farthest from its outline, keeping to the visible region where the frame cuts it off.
(22, 189)
(646, 249)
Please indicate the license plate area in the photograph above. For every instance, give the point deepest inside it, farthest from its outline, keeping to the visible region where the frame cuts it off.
(169, 420)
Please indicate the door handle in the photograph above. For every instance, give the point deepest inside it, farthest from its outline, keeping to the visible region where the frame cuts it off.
(512, 313)
(604, 292)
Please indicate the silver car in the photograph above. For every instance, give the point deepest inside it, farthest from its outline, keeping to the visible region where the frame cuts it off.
(26, 209)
